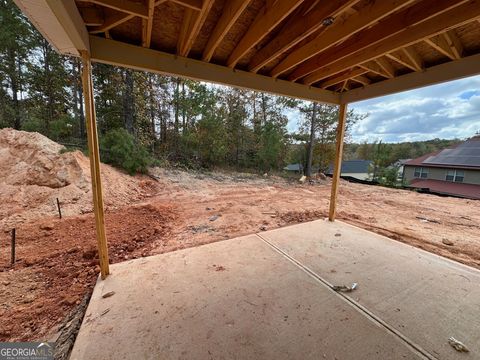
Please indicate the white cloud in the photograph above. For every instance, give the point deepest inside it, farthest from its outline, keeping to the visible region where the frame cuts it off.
(450, 110)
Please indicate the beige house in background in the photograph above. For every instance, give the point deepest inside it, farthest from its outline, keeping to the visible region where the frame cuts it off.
(453, 171)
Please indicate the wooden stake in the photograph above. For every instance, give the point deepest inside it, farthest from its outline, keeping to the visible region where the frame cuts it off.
(94, 155)
(59, 210)
(13, 246)
(338, 161)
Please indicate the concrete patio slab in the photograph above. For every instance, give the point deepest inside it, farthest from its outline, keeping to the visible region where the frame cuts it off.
(424, 297)
(235, 299)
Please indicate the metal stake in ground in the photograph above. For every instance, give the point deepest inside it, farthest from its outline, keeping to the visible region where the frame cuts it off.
(59, 210)
(13, 247)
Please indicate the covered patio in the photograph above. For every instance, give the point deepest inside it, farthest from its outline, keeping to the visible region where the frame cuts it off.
(270, 296)
(408, 302)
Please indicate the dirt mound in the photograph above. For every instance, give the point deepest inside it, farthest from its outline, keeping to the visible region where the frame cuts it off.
(34, 172)
(56, 267)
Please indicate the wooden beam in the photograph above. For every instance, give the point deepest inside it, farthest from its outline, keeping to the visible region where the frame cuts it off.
(266, 21)
(453, 70)
(440, 44)
(373, 66)
(454, 43)
(386, 66)
(126, 6)
(457, 16)
(339, 31)
(390, 26)
(58, 21)
(298, 29)
(147, 25)
(230, 14)
(192, 24)
(342, 116)
(136, 57)
(341, 78)
(94, 158)
(191, 4)
(111, 20)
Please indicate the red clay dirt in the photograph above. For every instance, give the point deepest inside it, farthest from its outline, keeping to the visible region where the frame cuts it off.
(57, 260)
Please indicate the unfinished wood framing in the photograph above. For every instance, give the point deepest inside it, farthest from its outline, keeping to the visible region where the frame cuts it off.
(94, 157)
(342, 116)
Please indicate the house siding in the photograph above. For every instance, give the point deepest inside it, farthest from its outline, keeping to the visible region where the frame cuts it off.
(435, 173)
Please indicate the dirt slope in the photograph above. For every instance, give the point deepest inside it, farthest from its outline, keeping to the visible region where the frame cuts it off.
(34, 172)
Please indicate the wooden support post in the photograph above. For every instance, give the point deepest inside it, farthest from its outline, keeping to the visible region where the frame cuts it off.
(94, 155)
(338, 160)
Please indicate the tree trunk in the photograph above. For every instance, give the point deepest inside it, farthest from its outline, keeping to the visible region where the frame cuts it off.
(15, 86)
(311, 144)
(128, 105)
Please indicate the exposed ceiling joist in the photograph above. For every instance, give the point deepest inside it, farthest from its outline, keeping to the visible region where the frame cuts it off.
(414, 57)
(265, 22)
(111, 20)
(297, 29)
(126, 6)
(372, 66)
(340, 31)
(342, 77)
(191, 4)
(456, 16)
(453, 70)
(147, 25)
(230, 14)
(454, 43)
(135, 57)
(361, 80)
(389, 26)
(439, 43)
(192, 24)
(386, 66)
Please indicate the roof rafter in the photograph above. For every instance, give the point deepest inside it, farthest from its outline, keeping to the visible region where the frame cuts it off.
(265, 22)
(343, 77)
(230, 14)
(372, 66)
(111, 20)
(340, 31)
(361, 80)
(147, 25)
(297, 29)
(452, 70)
(386, 66)
(192, 24)
(439, 43)
(126, 6)
(400, 57)
(389, 26)
(454, 43)
(191, 4)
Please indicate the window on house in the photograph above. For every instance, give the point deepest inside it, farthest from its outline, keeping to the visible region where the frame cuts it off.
(421, 173)
(455, 175)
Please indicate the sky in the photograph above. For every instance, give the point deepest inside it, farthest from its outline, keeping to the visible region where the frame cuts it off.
(447, 111)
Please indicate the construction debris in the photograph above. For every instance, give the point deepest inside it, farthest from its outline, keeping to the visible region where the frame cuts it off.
(344, 288)
(457, 345)
(108, 294)
(302, 179)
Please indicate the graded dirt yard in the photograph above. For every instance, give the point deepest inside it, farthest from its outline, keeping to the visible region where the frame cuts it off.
(57, 263)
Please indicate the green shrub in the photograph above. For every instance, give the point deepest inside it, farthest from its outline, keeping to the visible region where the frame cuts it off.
(121, 149)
